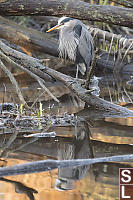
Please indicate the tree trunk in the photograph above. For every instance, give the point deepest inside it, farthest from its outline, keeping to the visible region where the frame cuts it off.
(27, 38)
(77, 9)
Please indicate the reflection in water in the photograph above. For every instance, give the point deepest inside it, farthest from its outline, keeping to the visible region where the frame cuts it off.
(108, 137)
(98, 181)
(21, 188)
(77, 150)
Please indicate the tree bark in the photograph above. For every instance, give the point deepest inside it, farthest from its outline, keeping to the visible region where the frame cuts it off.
(29, 39)
(77, 9)
(126, 3)
(100, 104)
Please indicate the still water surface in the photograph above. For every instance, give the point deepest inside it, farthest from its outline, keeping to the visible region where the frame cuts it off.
(93, 136)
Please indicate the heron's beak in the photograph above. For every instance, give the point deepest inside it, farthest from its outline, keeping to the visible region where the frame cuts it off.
(53, 28)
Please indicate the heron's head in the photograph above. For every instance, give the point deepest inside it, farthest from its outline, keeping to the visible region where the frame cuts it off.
(63, 21)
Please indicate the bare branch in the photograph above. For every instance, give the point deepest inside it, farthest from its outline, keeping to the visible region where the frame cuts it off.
(48, 165)
(37, 78)
(14, 82)
(108, 36)
(29, 62)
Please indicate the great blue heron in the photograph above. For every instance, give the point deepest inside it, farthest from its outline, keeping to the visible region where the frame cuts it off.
(75, 42)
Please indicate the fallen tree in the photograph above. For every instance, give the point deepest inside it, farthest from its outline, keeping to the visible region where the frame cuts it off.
(36, 40)
(77, 9)
(31, 40)
(29, 63)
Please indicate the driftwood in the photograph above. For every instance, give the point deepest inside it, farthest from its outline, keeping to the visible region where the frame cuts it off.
(47, 165)
(77, 9)
(31, 63)
(29, 39)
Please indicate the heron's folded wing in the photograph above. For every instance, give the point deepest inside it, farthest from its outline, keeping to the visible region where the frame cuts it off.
(86, 46)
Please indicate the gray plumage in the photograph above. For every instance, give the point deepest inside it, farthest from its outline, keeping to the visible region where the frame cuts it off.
(75, 42)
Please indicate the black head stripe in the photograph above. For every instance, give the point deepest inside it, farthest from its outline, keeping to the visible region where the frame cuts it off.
(66, 20)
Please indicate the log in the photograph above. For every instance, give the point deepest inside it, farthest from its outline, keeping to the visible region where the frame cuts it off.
(77, 9)
(48, 165)
(33, 40)
(100, 104)
(126, 3)
(28, 38)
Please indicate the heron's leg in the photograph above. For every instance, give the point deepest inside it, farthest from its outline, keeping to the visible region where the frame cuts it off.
(77, 72)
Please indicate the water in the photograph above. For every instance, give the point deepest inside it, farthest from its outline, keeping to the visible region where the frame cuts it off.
(86, 134)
